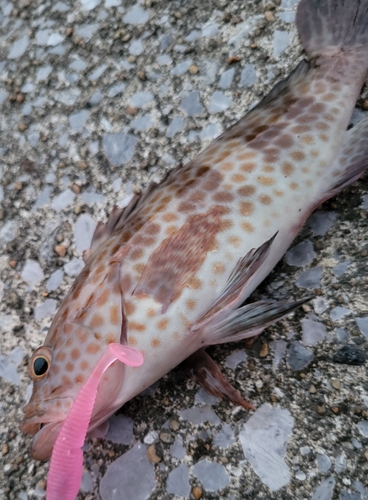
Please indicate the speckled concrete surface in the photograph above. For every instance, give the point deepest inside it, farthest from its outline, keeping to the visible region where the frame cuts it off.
(169, 77)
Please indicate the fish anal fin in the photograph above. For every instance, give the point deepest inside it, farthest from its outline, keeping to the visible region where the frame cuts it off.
(234, 293)
(245, 322)
(208, 375)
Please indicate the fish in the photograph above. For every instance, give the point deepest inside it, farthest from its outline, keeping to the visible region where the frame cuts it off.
(171, 273)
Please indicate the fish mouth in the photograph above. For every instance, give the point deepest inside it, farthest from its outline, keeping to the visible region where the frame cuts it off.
(43, 421)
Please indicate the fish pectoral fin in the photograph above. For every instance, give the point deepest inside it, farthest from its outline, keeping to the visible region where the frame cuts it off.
(353, 159)
(245, 322)
(234, 293)
(201, 367)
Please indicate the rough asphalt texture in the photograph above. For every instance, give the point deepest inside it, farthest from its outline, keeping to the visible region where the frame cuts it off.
(72, 76)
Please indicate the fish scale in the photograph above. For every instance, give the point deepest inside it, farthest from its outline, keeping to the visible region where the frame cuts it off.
(169, 274)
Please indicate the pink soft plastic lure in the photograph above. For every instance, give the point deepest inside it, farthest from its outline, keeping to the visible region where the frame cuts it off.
(66, 465)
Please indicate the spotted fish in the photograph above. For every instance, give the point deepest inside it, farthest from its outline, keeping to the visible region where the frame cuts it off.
(170, 273)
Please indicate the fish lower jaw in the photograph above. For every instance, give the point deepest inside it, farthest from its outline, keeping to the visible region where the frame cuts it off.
(44, 440)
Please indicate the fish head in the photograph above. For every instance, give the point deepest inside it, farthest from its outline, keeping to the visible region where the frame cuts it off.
(78, 337)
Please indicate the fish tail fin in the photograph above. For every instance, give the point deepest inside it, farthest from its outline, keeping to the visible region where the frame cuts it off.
(327, 26)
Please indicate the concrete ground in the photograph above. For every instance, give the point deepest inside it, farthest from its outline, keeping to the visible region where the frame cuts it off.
(168, 77)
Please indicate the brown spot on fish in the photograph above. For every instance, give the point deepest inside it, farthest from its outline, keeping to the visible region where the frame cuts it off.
(69, 367)
(129, 307)
(271, 155)
(81, 334)
(139, 327)
(287, 168)
(75, 354)
(265, 199)
(203, 169)
(238, 178)
(278, 192)
(315, 153)
(96, 321)
(268, 168)
(247, 226)
(103, 298)
(101, 257)
(186, 206)
(163, 324)
(247, 190)
(297, 155)
(329, 97)
(136, 254)
(246, 208)
(227, 166)
(139, 268)
(180, 256)
(194, 283)
(115, 249)
(285, 141)
(79, 379)
(300, 129)
(224, 226)
(170, 230)
(266, 181)
(60, 356)
(132, 341)
(212, 181)
(307, 139)
(323, 137)
(248, 167)
(234, 241)
(155, 342)
(66, 380)
(114, 315)
(93, 348)
(110, 338)
(84, 365)
(248, 155)
(151, 312)
(125, 283)
(67, 328)
(294, 186)
(191, 304)
(218, 268)
(223, 197)
(169, 217)
(322, 126)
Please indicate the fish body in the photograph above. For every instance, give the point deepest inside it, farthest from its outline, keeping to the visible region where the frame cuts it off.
(169, 274)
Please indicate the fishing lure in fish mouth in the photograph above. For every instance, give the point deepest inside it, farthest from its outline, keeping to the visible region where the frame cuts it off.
(65, 472)
(172, 273)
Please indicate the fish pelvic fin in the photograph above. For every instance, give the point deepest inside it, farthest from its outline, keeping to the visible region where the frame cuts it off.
(201, 367)
(327, 26)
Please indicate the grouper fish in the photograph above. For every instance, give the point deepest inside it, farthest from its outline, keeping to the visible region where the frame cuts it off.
(170, 274)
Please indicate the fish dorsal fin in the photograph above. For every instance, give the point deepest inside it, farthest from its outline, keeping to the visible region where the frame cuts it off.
(119, 216)
(270, 110)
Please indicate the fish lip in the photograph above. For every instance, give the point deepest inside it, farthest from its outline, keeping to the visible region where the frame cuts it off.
(43, 420)
(44, 440)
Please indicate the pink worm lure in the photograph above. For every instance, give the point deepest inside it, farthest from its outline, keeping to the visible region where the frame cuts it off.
(66, 464)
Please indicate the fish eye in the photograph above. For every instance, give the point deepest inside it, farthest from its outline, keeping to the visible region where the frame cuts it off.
(40, 363)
